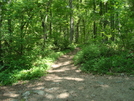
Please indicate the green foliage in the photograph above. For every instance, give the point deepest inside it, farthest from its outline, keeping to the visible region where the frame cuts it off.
(37, 69)
(34, 31)
(102, 59)
(62, 44)
(30, 74)
(88, 53)
(6, 78)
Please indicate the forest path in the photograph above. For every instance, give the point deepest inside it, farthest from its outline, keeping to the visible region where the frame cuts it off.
(65, 82)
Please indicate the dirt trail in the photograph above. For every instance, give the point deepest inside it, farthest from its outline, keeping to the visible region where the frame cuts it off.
(65, 82)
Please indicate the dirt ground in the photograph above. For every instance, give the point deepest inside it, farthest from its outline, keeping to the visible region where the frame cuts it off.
(65, 82)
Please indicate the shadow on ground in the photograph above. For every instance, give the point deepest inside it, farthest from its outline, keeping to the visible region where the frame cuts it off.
(65, 82)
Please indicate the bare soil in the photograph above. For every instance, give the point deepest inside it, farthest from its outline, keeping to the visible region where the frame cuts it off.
(65, 82)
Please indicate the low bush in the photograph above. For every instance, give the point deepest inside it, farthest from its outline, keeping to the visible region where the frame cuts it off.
(102, 59)
(36, 69)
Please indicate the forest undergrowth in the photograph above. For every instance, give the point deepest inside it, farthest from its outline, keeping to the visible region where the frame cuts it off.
(31, 69)
(105, 59)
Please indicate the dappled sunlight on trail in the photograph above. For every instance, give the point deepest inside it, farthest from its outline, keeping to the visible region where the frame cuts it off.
(65, 82)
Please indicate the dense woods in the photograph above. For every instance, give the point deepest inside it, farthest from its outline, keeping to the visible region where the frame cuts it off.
(35, 32)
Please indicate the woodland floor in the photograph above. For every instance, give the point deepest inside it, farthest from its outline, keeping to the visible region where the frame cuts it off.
(65, 82)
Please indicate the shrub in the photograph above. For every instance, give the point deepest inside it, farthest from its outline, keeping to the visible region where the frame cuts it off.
(102, 59)
(35, 69)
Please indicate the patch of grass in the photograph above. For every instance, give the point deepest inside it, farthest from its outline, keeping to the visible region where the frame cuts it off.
(103, 59)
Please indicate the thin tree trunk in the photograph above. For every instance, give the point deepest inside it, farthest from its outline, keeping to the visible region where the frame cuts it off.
(50, 22)
(71, 22)
(112, 20)
(77, 32)
(21, 37)
(50, 27)
(77, 24)
(10, 32)
(1, 62)
(84, 31)
(94, 23)
(44, 27)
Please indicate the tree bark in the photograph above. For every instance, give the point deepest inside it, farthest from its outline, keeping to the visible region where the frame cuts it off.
(94, 23)
(71, 22)
(1, 15)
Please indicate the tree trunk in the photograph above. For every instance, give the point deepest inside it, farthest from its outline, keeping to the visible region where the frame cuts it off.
(94, 23)
(71, 22)
(10, 32)
(50, 24)
(84, 31)
(77, 32)
(1, 62)
(50, 13)
(112, 20)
